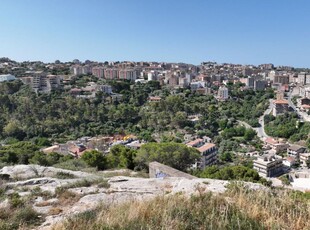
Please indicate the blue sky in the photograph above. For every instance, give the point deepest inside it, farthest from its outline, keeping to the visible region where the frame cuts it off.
(236, 31)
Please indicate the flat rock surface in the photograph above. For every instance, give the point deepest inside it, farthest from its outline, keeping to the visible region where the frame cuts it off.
(120, 189)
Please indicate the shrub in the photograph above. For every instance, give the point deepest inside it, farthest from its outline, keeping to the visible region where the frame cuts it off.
(64, 175)
(15, 200)
(26, 215)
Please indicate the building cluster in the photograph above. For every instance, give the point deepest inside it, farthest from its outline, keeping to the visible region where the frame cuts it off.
(279, 157)
(206, 78)
(42, 82)
(103, 144)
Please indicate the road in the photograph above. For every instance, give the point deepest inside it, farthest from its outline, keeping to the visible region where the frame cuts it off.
(302, 115)
(260, 130)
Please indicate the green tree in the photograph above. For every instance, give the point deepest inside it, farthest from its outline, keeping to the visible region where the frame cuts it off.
(94, 159)
(176, 155)
(249, 134)
(121, 157)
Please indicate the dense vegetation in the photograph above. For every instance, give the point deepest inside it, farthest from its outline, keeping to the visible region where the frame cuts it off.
(287, 126)
(60, 116)
(232, 173)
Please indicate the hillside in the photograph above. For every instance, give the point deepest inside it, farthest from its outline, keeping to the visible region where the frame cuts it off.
(50, 198)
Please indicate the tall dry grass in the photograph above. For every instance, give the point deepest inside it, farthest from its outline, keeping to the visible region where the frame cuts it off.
(238, 208)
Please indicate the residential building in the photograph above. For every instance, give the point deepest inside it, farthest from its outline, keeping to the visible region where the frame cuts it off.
(208, 155)
(289, 161)
(223, 93)
(295, 150)
(304, 158)
(80, 70)
(195, 143)
(127, 74)
(268, 66)
(307, 80)
(111, 73)
(7, 77)
(301, 78)
(260, 85)
(105, 88)
(276, 145)
(98, 72)
(282, 79)
(173, 81)
(183, 82)
(304, 91)
(280, 107)
(197, 85)
(268, 165)
(40, 82)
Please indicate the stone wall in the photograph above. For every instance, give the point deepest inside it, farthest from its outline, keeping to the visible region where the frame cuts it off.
(157, 170)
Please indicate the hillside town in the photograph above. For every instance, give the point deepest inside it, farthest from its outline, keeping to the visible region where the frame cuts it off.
(277, 156)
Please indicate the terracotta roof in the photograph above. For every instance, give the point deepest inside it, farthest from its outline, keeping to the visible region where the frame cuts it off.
(194, 142)
(290, 159)
(205, 147)
(154, 98)
(271, 141)
(282, 101)
(306, 106)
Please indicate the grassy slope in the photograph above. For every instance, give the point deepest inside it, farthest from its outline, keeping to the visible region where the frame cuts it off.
(238, 208)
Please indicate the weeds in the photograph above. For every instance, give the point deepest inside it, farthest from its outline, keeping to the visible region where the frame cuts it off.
(238, 208)
(64, 175)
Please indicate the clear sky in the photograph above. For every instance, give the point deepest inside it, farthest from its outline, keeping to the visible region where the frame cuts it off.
(191, 31)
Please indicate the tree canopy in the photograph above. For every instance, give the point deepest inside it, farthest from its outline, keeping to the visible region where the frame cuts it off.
(176, 155)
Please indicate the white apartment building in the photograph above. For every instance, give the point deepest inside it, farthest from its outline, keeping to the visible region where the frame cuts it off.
(223, 93)
(7, 77)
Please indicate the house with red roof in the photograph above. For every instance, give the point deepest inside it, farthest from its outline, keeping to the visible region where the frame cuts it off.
(280, 107)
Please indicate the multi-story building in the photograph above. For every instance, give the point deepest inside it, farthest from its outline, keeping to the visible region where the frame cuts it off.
(105, 88)
(173, 81)
(280, 107)
(295, 150)
(152, 76)
(98, 72)
(208, 152)
(208, 155)
(80, 70)
(248, 81)
(282, 79)
(260, 85)
(7, 77)
(223, 93)
(276, 145)
(301, 78)
(43, 83)
(111, 73)
(268, 165)
(183, 82)
(304, 158)
(307, 81)
(304, 92)
(127, 74)
(266, 66)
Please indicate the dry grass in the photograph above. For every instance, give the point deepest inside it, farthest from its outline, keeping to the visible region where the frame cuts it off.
(238, 208)
(55, 211)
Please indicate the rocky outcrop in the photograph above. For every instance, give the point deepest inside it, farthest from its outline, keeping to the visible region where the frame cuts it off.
(19, 172)
(116, 189)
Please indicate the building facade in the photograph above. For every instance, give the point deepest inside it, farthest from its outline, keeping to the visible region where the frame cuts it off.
(7, 77)
(268, 165)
